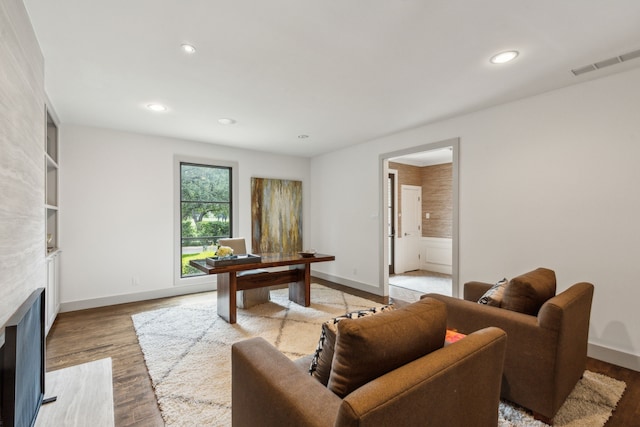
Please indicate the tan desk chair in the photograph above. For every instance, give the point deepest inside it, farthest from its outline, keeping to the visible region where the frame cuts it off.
(250, 297)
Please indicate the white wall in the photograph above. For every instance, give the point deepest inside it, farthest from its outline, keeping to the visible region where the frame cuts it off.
(117, 210)
(345, 215)
(22, 124)
(546, 181)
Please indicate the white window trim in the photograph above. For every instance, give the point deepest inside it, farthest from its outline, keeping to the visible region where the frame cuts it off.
(177, 250)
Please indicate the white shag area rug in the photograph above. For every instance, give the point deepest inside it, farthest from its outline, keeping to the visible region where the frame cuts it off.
(187, 350)
(590, 404)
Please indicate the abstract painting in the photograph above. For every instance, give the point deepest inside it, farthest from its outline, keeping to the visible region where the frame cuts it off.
(276, 215)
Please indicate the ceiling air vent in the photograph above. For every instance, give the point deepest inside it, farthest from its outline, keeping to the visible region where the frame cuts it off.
(630, 55)
(582, 70)
(607, 62)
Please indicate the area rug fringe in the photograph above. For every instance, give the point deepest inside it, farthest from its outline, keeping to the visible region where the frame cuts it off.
(187, 350)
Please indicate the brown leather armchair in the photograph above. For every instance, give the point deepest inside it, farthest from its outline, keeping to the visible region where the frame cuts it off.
(454, 385)
(547, 348)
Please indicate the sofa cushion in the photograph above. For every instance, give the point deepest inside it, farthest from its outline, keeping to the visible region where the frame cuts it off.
(320, 367)
(369, 347)
(493, 296)
(527, 293)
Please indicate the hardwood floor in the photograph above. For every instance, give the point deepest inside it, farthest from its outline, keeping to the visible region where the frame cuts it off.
(627, 414)
(87, 335)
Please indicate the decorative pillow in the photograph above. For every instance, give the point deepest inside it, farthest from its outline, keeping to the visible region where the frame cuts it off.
(372, 346)
(527, 293)
(323, 357)
(493, 296)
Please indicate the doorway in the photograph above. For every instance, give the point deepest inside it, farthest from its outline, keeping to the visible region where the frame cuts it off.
(391, 219)
(410, 220)
(433, 252)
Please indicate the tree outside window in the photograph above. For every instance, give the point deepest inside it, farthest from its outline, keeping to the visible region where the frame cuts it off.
(205, 211)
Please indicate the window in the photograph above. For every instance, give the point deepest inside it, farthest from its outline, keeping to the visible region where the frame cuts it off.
(205, 211)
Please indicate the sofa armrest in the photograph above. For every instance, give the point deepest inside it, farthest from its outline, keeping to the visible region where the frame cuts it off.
(268, 389)
(469, 316)
(473, 291)
(467, 371)
(574, 303)
(568, 315)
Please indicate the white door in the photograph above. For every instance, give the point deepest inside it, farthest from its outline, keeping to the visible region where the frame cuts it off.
(411, 220)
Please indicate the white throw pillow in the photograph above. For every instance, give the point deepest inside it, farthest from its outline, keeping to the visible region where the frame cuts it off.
(493, 296)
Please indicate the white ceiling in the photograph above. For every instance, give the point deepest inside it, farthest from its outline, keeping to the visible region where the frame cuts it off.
(342, 72)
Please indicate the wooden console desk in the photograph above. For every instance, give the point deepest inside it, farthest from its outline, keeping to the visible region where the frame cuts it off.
(298, 277)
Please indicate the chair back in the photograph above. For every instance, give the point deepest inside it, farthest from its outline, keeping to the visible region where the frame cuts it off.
(236, 243)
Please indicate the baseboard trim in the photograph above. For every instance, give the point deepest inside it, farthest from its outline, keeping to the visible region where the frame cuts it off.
(190, 289)
(437, 268)
(615, 357)
(139, 296)
(348, 282)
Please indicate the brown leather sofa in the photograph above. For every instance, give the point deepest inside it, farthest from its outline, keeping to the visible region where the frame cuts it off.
(453, 385)
(547, 335)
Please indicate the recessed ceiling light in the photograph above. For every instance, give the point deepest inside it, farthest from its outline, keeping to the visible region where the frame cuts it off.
(303, 136)
(188, 48)
(503, 57)
(226, 121)
(156, 107)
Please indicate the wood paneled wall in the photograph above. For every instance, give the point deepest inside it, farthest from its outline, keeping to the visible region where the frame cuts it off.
(437, 200)
(437, 196)
(22, 125)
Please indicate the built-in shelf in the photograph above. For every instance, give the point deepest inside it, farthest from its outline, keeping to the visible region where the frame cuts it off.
(51, 148)
(50, 161)
(51, 184)
(51, 212)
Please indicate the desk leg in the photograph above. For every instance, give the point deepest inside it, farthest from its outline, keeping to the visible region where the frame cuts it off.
(300, 291)
(227, 287)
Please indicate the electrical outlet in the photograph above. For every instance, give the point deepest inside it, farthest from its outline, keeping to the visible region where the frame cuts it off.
(135, 281)
(355, 271)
